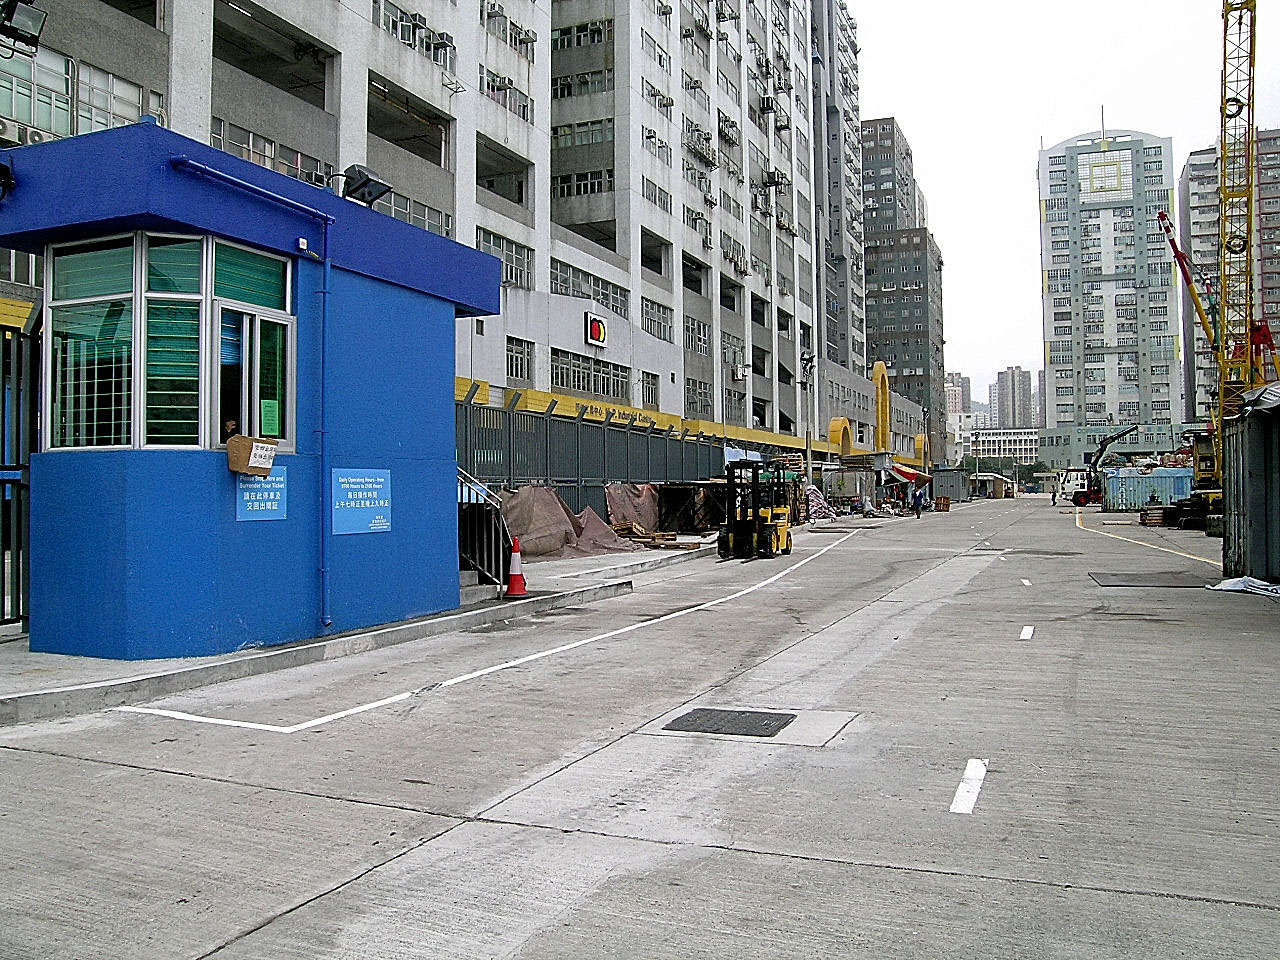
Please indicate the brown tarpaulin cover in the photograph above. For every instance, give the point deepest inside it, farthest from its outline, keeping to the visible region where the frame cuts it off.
(634, 503)
(549, 530)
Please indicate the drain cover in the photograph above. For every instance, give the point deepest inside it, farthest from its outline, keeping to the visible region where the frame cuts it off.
(737, 723)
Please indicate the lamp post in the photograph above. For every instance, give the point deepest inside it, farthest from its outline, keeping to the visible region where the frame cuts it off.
(807, 360)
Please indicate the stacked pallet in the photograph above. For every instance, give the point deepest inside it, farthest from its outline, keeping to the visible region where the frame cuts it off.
(1153, 517)
(655, 540)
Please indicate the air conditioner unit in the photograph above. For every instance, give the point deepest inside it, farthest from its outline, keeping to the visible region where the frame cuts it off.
(739, 371)
(709, 199)
(767, 105)
(502, 83)
(707, 243)
(530, 36)
(443, 40)
(693, 84)
(663, 9)
(722, 35)
(418, 20)
(495, 10)
(664, 101)
(686, 33)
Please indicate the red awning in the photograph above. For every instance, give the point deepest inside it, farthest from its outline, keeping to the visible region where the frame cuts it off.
(908, 475)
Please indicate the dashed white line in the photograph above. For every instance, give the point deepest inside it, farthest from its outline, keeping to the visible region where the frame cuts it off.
(295, 728)
(1027, 633)
(1026, 582)
(975, 772)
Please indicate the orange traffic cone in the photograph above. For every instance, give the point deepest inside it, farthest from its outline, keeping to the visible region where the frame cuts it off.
(515, 579)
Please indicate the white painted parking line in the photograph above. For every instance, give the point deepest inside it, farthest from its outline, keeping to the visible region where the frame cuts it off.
(475, 674)
(975, 772)
(1026, 582)
(1027, 633)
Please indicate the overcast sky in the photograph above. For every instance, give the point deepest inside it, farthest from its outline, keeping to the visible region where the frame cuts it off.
(977, 86)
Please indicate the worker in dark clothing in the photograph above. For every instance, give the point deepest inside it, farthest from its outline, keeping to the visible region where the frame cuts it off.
(917, 500)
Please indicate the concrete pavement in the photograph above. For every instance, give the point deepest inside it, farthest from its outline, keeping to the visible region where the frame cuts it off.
(521, 799)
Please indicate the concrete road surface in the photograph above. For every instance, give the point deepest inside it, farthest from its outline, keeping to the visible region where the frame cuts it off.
(990, 755)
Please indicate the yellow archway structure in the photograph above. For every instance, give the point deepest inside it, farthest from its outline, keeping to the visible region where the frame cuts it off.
(880, 378)
(840, 434)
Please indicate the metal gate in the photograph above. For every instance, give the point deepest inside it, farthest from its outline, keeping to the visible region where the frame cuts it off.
(18, 366)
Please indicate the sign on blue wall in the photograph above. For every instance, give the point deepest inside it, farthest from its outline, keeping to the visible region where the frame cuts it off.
(361, 501)
(263, 498)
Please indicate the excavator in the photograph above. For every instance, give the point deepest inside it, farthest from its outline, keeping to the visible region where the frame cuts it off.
(1085, 486)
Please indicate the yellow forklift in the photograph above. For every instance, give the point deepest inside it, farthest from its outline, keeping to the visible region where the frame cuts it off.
(757, 512)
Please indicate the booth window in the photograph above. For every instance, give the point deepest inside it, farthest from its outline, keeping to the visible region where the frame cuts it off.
(177, 329)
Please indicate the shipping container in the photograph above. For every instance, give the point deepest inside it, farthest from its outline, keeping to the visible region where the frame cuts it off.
(1251, 488)
(1131, 488)
(950, 482)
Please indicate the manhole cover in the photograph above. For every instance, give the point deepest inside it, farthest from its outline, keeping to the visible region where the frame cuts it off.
(737, 723)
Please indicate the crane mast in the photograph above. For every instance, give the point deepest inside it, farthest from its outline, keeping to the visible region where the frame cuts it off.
(1244, 344)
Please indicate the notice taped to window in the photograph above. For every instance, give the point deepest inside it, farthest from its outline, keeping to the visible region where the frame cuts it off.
(361, 501)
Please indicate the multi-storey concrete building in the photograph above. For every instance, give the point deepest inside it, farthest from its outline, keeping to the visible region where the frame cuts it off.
(646, 174)
(965, 386)
(1011, 398)
(841, 356)
(1112, 354)
(1021, 446)
(904, 276)
(1198, 226)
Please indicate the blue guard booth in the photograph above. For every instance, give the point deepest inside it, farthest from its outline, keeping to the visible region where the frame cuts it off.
(191, 296)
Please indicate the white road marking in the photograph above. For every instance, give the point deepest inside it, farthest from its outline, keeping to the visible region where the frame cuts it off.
(295, 728)
(1142, 543)
(975, 772)
(1026, 582)
(1027, 633)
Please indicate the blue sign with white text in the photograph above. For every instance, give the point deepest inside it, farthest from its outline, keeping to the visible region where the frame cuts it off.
(361, 501)
(263, 498)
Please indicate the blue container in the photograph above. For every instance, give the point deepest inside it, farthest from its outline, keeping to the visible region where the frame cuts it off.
(1131, 489)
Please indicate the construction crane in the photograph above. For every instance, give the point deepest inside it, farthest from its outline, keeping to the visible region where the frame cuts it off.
(1240, 340)
(1245, 348)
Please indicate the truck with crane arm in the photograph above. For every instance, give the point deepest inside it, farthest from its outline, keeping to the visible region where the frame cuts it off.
(1084, 486)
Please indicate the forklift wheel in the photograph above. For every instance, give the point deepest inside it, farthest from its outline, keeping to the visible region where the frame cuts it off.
(787, 548)
(1080, 498)
(767, 550)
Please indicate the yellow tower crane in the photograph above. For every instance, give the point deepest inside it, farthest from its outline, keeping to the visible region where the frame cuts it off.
(1245, 349)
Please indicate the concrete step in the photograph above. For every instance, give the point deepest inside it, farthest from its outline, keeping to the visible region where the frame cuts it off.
(468, 578)
(479, 593)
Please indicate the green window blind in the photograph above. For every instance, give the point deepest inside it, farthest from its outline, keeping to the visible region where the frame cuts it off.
(93, 270)
(249, 277)
(92, 347)
(273, 382)
(173, 266)
(173, 372)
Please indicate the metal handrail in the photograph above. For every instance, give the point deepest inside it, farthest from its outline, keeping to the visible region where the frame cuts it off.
(484, 542)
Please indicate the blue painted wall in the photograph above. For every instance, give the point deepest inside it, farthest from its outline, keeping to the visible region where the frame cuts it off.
(137, 553)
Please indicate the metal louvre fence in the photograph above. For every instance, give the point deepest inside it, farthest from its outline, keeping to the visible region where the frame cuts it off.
(514, 448)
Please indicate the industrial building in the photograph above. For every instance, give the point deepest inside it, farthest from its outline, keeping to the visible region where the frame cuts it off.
(675, 193)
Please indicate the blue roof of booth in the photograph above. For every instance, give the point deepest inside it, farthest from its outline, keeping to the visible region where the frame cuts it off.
(124, 179)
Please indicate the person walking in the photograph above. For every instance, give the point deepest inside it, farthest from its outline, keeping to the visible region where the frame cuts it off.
(917, 500)
(1053, 493)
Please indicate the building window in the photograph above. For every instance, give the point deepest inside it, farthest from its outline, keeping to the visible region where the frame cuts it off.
(182, 321)
(657, 320)
(649, 389)
(419, 214)
(697, 399)
(591, 375)
(37, 92)
(697, 336)
(575, 282)
(517, 259)
(519, 359)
